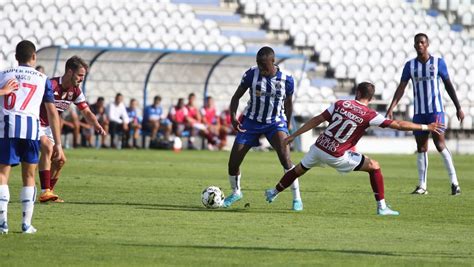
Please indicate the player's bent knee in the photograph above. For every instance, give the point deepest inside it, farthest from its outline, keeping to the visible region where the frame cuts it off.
(374, 165)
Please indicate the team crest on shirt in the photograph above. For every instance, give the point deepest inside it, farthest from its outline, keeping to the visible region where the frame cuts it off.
(431, 67)
(70, 95)
(278, 85)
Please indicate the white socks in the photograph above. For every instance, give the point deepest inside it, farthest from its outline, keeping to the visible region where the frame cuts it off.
(422, 164)
(235, 183)
(4, 199)
(448, 163)
(27, 198)
(295, 186)
(381, 204)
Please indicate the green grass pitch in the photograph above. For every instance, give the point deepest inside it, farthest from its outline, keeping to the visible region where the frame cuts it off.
(135, 207)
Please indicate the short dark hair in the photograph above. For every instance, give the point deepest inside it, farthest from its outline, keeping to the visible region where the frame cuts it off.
(39, 67)
(75, 62)
(419, 35)
(24, 51)
(100, 99)
(191, 95)
(366, 90)
(265, 52)
(156, 98)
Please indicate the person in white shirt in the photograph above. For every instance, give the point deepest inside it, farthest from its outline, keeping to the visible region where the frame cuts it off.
(118, 120)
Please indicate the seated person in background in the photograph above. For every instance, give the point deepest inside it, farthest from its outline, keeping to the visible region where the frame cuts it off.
(211, 122)
(118, 120)
(40, 69)
(179, 118)
(194, 124)
(225, 128)
(154, 120)
(70, 123)
(98, 108)
(135, 123)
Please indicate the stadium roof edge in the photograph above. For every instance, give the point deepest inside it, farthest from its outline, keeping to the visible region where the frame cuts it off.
(130, 49)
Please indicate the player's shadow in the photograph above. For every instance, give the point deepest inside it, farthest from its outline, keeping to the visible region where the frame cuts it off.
(305, 250)
(175, 207)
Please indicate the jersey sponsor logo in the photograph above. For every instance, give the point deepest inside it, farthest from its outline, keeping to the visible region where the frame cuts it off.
(269, 94)
(422, 79)
(357, 109)
(62, 105)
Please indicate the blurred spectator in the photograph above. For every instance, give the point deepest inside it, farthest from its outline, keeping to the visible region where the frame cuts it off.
(194, 123)
(155, 120)
(179, 117)
(70, 123)
(118, 120)
(135, 124)
(98, 108)
(225, 128)
(40, 69)
(211, 122)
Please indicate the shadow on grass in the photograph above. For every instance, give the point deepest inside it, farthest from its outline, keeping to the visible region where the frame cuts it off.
(306, 250)
(173, 207)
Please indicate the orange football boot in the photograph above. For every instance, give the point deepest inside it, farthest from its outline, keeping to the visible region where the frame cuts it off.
(47, 195)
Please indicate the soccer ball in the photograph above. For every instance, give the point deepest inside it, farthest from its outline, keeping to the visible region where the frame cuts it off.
(212, 197)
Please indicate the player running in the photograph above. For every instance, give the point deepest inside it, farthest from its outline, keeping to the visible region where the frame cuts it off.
(66, 91)
(425, 71)
(267, 112)
(348, 120)
(19, 129)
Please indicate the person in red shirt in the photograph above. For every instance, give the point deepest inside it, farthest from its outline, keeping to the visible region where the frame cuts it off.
(211, 122)
(348, 120)
(66, 91)
(194, 122)
(225, 128)
(179, 117)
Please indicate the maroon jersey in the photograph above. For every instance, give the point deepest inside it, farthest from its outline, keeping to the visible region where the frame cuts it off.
(348, 120)
(210, 115)
(63, 98)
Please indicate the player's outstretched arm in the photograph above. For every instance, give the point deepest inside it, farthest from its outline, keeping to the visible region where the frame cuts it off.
(396, 98)
(436, 127)
(312, 123)
(452, 94)
(234, 105)
(9, 86)
(288, 109)
(92, 120)
(54, 122)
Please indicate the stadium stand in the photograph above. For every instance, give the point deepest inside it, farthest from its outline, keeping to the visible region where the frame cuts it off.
(371, 40)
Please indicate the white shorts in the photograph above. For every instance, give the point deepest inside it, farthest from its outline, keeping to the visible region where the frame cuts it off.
(344, 164)
(46, 131)
(199, 126)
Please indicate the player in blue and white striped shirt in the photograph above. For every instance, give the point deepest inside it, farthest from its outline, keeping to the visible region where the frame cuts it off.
(425, 71)
(19, 121)
(267, 112)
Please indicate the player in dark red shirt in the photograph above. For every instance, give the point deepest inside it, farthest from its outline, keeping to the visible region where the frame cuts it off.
(348, 120)
(66, 91)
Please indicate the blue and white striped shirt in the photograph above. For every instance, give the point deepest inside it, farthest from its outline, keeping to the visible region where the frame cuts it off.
(425, 77)
(19, 110)
(267, 95)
